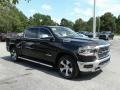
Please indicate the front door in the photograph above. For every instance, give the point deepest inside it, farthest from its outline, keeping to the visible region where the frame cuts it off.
(46, 48)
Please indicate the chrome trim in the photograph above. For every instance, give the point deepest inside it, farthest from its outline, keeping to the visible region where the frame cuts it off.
(96, 62)
(104, 51)
(35, 62)
(48, 55)
(95, 65)
(97, 47)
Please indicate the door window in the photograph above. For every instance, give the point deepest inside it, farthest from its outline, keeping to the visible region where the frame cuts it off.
(31, 33)
(44, 33)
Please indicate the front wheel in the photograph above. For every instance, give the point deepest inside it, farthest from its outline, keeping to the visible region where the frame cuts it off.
(14, 56)
(68, 67)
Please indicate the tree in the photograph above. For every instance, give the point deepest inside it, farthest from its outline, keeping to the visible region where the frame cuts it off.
(80, 25)
(40, 19)
(90, 24)
(118, 25)
(11, 19)
(108, 22)
(66, 23)
(11, 1)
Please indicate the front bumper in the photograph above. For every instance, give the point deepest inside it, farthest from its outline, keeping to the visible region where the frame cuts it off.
(93, 66)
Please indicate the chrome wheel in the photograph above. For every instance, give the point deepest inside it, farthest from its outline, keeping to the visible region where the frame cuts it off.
(13, 55)
(66, 68)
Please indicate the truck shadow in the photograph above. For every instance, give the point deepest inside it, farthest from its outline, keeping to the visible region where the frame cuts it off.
(51, 71)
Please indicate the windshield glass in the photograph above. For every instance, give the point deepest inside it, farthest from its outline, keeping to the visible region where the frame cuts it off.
(64, 32)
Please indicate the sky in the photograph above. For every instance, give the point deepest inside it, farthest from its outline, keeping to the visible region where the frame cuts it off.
(69, 9)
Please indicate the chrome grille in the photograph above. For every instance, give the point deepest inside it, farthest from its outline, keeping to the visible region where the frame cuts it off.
(103, 52)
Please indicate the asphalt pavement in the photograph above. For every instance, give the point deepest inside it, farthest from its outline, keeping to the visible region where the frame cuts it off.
(26, 75)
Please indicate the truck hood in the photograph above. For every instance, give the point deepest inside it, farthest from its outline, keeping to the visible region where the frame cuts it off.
(84, 42)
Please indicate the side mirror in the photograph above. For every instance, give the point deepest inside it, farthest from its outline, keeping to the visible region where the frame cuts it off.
(51, 39)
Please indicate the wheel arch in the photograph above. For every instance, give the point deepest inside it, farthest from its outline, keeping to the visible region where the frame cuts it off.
(11, 47)
(59, 55)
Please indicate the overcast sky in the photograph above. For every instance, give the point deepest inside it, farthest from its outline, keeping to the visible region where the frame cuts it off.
(70, 9)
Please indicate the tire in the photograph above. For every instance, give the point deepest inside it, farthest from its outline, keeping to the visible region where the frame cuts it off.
(14, 55)
(68, 67)
(112, 38)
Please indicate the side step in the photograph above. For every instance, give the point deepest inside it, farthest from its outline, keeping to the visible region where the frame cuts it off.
(35, 62)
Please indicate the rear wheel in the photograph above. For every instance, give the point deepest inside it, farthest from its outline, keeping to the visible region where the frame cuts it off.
(14, 56)
(68, 67)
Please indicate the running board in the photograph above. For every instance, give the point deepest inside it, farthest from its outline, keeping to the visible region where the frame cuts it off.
(35, 62)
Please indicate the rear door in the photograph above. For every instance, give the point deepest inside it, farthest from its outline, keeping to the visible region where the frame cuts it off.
(29, 42)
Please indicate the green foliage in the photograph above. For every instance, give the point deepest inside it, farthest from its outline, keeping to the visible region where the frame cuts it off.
(40, 19)
(90, 24)
(80, 25)
(66, 23)
(11, 19)
(11, 1)
(118, 25)
(108, 22)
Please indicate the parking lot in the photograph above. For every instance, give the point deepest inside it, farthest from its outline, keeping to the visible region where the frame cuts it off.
(25, 75)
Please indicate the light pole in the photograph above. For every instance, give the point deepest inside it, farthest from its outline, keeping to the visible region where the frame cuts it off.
(94, 20)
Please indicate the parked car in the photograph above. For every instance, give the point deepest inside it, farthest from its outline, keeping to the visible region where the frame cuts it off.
(82, 35)
(106, 35)
(12, 34)
(89, 34)
(20, 34)
(86, 33)
(61, 48)
(3, 37)
(83, 32)
(0, 37)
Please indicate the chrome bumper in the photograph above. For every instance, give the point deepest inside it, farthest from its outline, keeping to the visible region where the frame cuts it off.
(93, 66)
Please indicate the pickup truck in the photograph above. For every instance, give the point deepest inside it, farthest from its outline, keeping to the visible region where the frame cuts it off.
(60, 47)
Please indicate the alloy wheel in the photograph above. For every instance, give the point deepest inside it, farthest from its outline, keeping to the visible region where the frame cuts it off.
(66, 68)
(13, 55)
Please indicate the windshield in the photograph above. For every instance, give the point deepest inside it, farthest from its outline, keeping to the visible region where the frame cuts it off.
(64, 32)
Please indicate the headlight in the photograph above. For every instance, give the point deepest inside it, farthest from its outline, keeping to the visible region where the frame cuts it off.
(87, 51)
